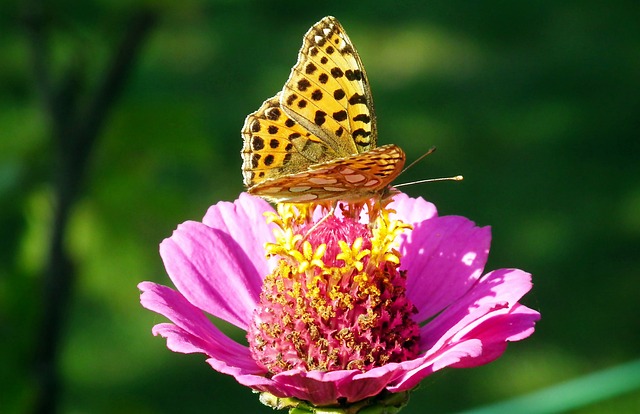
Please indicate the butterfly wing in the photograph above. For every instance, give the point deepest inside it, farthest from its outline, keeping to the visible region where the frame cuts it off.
(316, 140)
(328, 91)
(354, 178)
(276, 146)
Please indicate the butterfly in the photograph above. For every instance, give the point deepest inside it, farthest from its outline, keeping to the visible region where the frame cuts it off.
(315, 141)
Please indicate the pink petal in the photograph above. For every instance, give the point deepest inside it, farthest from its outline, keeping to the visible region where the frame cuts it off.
(318, 387)
(420, 368)
(192, 331)
(443, 256)
(474, 330)
(495, 332)
(495, 294)
(256, 380)
(212, 271)
(324, 388)
(244, 221)
(412, 210)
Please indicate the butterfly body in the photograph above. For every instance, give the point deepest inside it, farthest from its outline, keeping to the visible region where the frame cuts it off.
(315, 140)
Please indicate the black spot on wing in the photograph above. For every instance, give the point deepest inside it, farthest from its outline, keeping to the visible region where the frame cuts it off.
(337, 72)
(362, 118)
(255, 126)
(303, 84)
(320, 117)
(273, 114)
(257, 143)
(340, 115)
(269, 159)
(353, 74)
(310, 68)
(356, 98)
(360, 133)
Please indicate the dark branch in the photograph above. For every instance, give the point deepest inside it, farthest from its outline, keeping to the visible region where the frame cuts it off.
(112, 83)
(74, 135)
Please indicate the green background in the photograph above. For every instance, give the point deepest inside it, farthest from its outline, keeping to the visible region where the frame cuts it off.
(537, 104)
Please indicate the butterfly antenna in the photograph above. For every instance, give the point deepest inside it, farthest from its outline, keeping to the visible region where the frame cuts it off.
(420, 158)
(428, 180)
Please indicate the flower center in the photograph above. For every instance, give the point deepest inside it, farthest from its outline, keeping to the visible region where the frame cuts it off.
(336, 299)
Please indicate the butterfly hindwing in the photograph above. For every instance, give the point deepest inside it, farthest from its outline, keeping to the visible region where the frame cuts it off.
(275, 145)
(355, 178)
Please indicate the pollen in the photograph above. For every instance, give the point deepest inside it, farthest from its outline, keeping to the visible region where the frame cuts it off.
(336, 298)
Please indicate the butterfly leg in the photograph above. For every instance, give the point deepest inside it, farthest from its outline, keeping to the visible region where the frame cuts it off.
(319, 222)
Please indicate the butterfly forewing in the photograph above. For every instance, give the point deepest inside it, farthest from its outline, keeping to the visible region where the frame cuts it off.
(328, 92)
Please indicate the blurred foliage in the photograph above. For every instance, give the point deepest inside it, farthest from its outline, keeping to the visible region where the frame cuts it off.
(536, 103)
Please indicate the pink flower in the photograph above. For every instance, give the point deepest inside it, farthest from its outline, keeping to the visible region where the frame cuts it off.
(443, 313)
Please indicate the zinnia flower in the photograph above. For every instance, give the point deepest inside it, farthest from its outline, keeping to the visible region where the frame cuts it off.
(347, 310)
